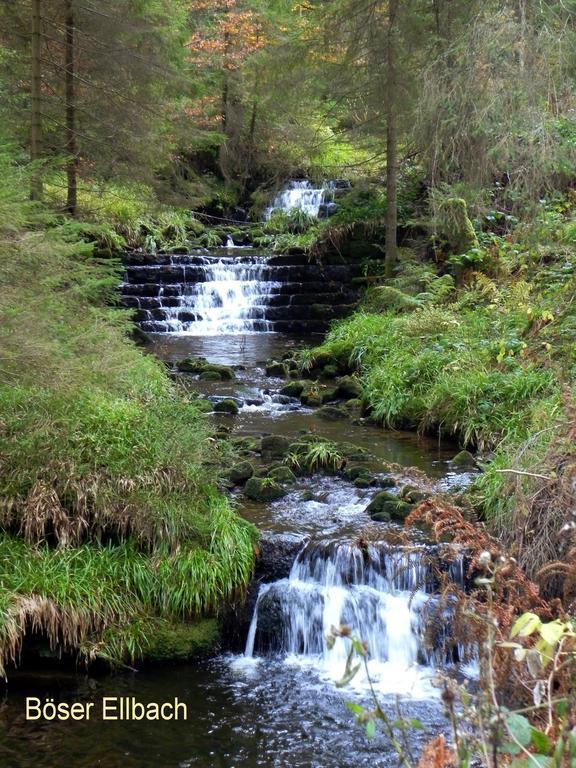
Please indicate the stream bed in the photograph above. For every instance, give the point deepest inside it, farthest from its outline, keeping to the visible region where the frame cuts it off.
(276, 705)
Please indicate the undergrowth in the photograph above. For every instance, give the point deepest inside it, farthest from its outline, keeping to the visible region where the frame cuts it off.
(108, 510)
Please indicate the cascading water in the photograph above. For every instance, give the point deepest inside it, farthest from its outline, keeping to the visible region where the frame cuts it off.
(384, 596)
(229, 300)
(239, 292)
(302, 196)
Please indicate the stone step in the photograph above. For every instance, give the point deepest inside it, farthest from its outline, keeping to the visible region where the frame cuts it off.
(170, 273)
(283, 326)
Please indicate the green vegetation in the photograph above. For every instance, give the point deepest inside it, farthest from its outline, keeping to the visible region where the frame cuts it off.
(109, 514)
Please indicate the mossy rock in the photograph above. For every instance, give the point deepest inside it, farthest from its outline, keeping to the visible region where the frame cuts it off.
(364, 481)
(196, 228)
(353, 471)
(282, 475)
(293, 389)
(210, 376)
(323, 358)
(311, 398)
(464, 460)
(179, 641)
(246, 444)
(224, 371)
(328, 394)
(330, 371)
(389, 507)
(274, 446)
(348, 388)
(412, 494)
(241, 472)
(306, 495)
(387, 482)
(274, 368)
(331, 413)
(227, 406)
(353, 452)
(192, 365)
(455, 226)
(263, 489)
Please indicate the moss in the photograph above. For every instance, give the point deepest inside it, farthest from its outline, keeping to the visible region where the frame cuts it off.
(180, 641)
(227, 406)
(263, 489)
(455, 225)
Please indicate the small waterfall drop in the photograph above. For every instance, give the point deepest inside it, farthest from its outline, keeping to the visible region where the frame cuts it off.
(384, 596)
(302, 196)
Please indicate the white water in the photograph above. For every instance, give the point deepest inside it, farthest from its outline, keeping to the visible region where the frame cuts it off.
(302, 196)
(230, 300)
(381, 595)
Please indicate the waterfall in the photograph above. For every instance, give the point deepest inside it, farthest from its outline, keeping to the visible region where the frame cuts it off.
(302, 196)
(384, 596)
(235, 292)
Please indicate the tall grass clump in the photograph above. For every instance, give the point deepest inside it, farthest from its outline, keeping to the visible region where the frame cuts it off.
(108, 510)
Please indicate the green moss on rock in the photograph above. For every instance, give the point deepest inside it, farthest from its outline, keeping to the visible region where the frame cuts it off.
(179, 641)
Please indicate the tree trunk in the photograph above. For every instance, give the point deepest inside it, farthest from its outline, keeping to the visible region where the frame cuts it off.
(36, 103)
(71, 149)
(391, 145)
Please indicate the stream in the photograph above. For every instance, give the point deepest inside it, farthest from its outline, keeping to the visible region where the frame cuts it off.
(272, 702)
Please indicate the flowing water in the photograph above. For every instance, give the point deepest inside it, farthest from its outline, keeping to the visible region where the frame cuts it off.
(273, 703)
(301, 196)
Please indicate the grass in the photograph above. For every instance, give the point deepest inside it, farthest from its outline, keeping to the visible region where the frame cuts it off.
(315, 456)
(489, 358)
(109, 517)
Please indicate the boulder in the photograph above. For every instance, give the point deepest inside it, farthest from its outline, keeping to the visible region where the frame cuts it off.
(224, 371)
(191, 365)
(328, 394)
(227, 406)
(210, 376)
(330, 371)
(331, 413)
(311, 398)
(385, 507)
(412, 494)
(348, 388)
(241, 472)
(354, 471)
(293, 389)
(263, 489)
(282, 475)
(274, 446)
(464, 459)
(277, 369)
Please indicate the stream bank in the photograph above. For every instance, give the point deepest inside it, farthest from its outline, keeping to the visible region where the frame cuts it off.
(269, 698)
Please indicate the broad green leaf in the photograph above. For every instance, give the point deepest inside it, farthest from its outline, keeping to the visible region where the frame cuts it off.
(355, 708)
(552, 632)
(370, 729)
(525, 625)
(541, 742)
(509, 748)
(519, 728)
